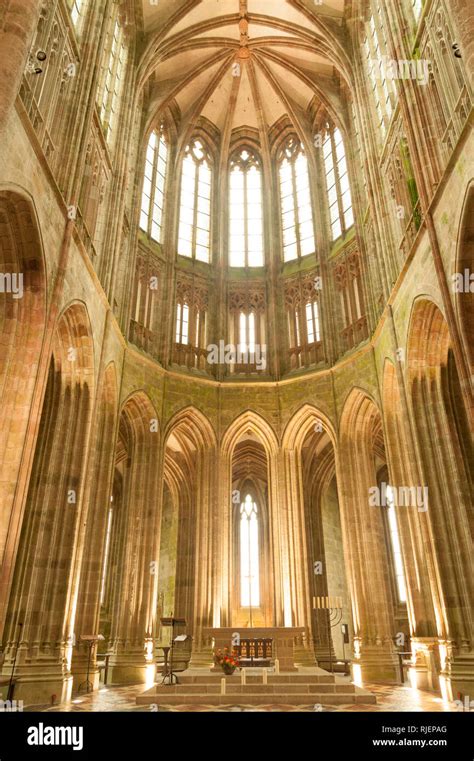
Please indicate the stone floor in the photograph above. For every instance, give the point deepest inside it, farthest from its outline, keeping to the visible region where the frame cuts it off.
(389, 698)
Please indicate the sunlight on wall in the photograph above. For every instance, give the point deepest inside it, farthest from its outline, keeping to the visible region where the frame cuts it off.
(357, 675)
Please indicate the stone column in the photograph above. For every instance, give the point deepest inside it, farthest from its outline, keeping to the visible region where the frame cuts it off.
(364, 545)
(44, 568)
(135, 605)
(462, 16)
(301, 593)
(420, 567)
(18, 27)
(85, 599)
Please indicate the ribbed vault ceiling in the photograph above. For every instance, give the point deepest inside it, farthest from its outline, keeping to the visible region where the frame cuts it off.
(287, 52)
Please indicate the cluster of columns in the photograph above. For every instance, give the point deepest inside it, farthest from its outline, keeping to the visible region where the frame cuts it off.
(70, 445)
(66, 537)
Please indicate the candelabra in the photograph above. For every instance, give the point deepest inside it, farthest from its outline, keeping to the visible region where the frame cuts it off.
(333, 606)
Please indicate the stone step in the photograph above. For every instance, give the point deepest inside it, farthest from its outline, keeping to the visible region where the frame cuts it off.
(270, 689)
(323, 678)
(255, 699)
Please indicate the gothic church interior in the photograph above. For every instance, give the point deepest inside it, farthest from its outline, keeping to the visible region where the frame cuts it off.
(236, 349)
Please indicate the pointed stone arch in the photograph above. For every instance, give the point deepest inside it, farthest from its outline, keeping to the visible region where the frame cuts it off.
(302, 420)
(44, 569)
(309, 455)
(22, 329)
(254, 422)
(197, 421)
(189, 502)
(441, 422)
(251, 437)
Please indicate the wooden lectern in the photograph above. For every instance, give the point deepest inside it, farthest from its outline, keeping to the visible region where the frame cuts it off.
(170, 677)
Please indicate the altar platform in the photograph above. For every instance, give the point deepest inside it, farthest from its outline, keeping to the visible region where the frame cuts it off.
(309, 686)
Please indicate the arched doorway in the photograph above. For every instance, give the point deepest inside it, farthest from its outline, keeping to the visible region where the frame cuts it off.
(189, 502)
(249, 468)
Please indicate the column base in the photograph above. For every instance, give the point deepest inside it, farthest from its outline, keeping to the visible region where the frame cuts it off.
(376, 663)
(41, 684)
(425, 672)
(131, 668)
(459, 676)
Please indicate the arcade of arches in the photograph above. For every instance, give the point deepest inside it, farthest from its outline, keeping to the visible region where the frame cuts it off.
(236, 334)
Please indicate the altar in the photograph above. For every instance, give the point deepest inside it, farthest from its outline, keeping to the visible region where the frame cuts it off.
(283, 640)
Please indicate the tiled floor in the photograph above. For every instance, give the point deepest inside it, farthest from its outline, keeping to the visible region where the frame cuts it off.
(389, 698)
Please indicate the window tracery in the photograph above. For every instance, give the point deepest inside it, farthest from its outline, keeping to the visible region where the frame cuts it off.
(246, 247)
(194, 237)
(295, 199)
(153, 188)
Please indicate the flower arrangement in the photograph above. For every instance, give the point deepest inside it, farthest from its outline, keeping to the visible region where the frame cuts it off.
(227, 660)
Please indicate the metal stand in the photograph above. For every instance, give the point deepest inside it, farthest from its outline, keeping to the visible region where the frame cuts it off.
(90, 640)
(170, 677)
(334, 618)
(10, 684)
(88, 684)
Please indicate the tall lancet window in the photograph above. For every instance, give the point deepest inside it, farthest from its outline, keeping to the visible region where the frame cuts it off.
(337, 183)
(295, 197)
(247, 332)
(249, 560)
(194, 238)
(383, 89)
(245, 211)
(153, 193)
(114, 80)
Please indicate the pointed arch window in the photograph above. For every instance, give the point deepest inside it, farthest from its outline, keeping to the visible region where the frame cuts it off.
(182, 323)
(247, 333)
(114, 80)
(384, 91)
(245, 211)
(249, 554)
(295, 198)
(77, 10)
(337, 183)
(417, 6)
(151, 215)
(312, 322)
(194, 237)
